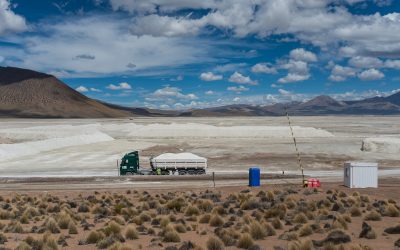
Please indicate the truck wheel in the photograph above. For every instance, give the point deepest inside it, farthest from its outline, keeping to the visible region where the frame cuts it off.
(192, 172)
(182, 172)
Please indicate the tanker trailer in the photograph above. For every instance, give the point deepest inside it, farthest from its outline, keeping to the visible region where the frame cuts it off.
(181, 163)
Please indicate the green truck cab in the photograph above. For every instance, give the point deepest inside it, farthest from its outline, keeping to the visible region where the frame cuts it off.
(129, 164)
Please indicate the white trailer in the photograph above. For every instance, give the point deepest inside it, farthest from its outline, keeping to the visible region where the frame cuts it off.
(361, 175)
(181, 163)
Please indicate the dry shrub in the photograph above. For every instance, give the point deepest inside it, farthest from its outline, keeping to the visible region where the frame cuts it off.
(23, 246)
(119, 246)
(205, 205)
(301, 245)
(191, 210)
(365, 198)
(205, 219)
(63, 220)
(72, 228)
(51, 226)
(94, 237)
(176, 204)
(112, 229)
(250, 204)
(216, 221)
(131, 233)
(290, 203)
(171, 236)
(268, 229)
(180, 228)
(245, 241)
(342, 194)
(214, 243)
(392, 211)
(164, 222)
(300, 218)
(373, 216)
(305, 230)
(276, 223)
(257, 231)
(355, 211)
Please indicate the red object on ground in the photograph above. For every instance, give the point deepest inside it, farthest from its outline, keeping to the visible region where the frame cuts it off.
(312, 182)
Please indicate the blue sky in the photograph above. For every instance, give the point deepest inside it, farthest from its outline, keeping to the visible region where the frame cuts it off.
(182, 54)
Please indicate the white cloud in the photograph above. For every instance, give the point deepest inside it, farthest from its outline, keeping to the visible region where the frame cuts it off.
(95, 90)
(9, 21)
(392, 64)
(293, 77)
(297, 71)
(241, 79)
(82, 89)
(263, 68)
(340, 73)
(170, 95)
(230, 67)
(97, 36)
(365, 62)
(236, 99)
(209, 92)
(301, 54)
(120, 86)
(209, 76)
(370, 75)
(284, 92)
(238, 90)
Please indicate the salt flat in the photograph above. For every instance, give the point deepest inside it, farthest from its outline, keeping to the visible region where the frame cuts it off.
(87, 147)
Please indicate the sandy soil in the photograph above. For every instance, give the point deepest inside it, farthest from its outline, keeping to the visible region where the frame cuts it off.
(78, 147)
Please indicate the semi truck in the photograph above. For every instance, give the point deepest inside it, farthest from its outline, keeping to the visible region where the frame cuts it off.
(164, 164)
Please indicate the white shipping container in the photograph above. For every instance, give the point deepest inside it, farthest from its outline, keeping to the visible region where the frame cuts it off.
(361, 175)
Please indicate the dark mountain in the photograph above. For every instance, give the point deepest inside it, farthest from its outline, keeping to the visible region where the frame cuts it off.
(26, 93)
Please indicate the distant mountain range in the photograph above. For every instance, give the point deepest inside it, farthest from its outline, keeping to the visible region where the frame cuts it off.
(31, 94)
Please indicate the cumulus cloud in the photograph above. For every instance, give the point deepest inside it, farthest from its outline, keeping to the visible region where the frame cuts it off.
(120, 86)
(297, 71)
(170, 95)
(264, 68)
(365, 62)
(392, 64)
(209, 92)
(371, 74)
(241, 79)
(238, 90)
(97, 36)
(284, 92)
(301, 54)
(9, 21)
(82, 89)
(209, 76)
(340, 73)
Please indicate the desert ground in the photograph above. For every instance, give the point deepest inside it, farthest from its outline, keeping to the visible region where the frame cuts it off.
(91, 147)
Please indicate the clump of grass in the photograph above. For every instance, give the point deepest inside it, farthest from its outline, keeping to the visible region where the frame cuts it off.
(300, 218)
(355, 211)
(301, 245)
(245, 241)
(392, 211)
(276, 223)
(112, 229)
(305, 230)
(214, 243)
(119, 246)
(171, 236)
(205, 219)
(270, 196)
(373, 216)
(176, 204)
(205, 205)
(131, 233)
(180, 228)
(250, 204)
(257, 231)
(83, 208)
(23, 246)
(269, 230)
(72, 228)
(191, 210)
(63, 220)
(364, 198)
(51, 226)
(164, 222)
(94, 237)
(216, 221)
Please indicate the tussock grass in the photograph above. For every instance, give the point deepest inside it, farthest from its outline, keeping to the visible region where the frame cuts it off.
(131, 233)
(268, 229)
(112, 229)
(180, 228)
(214, 243)
(205, 219)
(392, 211)
(257, 231)
(355, 211)
(191, 210)
(94, 237)
(72, 228)
(119, 246)
(276, 223)
(216, 221)
(23, 246)
(300, 218)
(171, 236)
(301, 245)
(373, 216)
(245, 241)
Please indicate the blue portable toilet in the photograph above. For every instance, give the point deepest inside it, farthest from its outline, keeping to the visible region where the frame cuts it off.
(254, 177)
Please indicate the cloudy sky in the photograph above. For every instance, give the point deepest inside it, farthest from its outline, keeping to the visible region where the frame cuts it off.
(178, 54)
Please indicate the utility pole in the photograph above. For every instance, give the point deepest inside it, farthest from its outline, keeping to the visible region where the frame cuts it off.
(295, 145)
